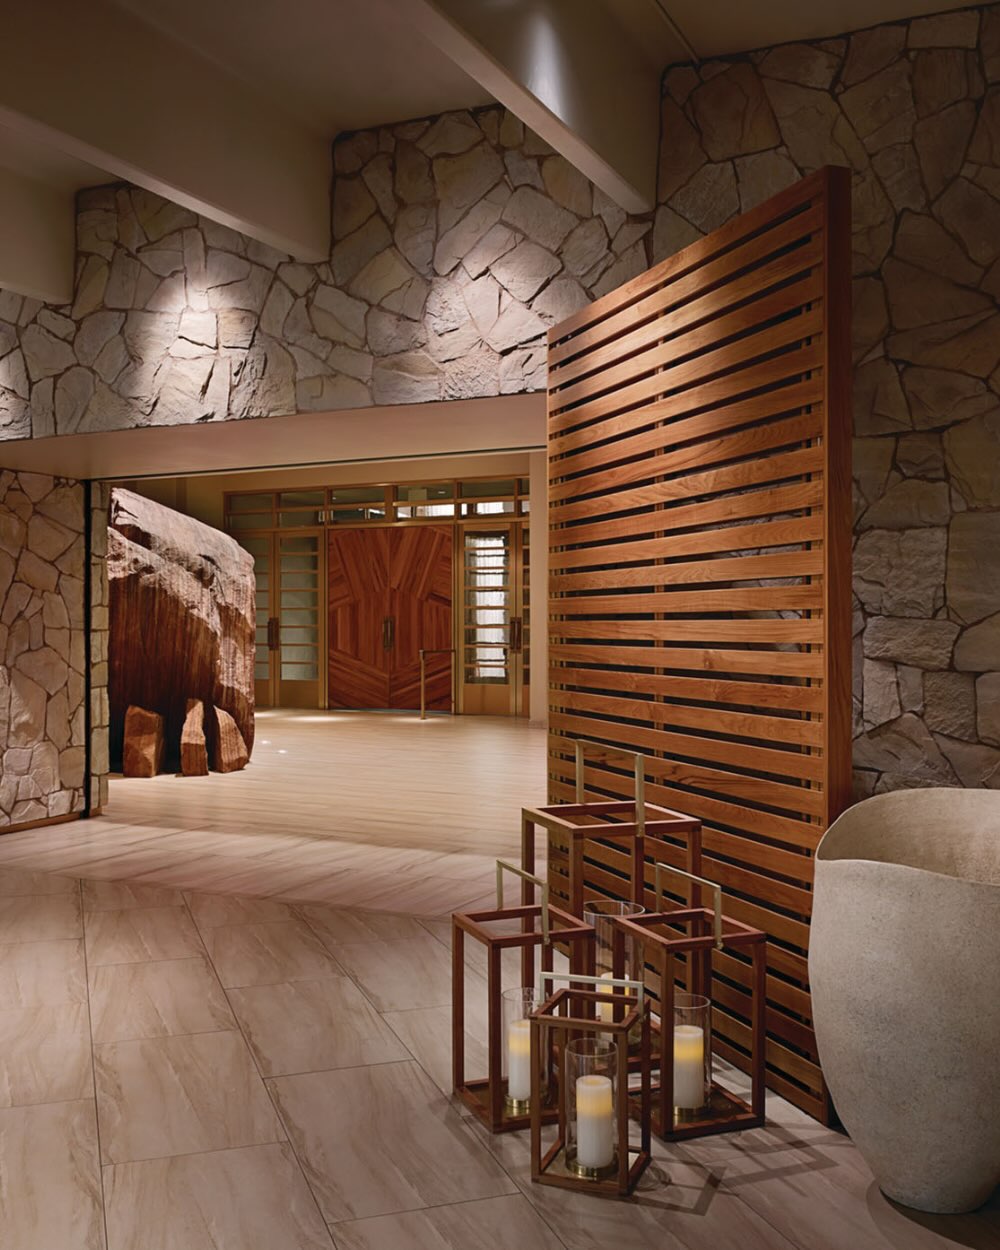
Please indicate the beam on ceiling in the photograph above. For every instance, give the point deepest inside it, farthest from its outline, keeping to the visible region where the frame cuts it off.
(566, 69)
(37, 225)
(96, 82)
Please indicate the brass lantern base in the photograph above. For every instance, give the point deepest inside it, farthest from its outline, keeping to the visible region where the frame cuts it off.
(591, 1174)
(516, 1106)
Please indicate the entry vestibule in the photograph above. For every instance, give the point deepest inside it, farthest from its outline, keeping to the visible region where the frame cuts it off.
(354, 582)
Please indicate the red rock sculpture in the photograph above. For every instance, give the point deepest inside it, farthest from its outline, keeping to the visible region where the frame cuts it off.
(182, 609)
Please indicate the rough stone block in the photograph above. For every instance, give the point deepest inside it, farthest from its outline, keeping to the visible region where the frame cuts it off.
(142, 747)
(229, 752)
(194, 751)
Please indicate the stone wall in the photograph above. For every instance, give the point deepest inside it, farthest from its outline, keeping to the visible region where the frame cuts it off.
(913, 108)
(42, 648)
(457, 242)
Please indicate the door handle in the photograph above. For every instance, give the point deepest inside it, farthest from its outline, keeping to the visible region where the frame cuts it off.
(388, 633)
(516, 633)
(273, 633)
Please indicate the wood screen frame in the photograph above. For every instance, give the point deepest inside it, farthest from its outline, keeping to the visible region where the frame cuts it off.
(741, 696)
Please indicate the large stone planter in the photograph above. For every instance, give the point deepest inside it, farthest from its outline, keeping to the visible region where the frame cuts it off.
(904, 963)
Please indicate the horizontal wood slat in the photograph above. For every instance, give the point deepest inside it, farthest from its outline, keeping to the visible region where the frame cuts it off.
(699, 583)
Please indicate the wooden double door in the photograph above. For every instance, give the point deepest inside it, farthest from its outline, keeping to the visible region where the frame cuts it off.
(389, 595)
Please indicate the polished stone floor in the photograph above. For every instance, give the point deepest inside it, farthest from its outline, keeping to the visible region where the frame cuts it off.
(377, 811)
(190, 1062)
(194, 1071)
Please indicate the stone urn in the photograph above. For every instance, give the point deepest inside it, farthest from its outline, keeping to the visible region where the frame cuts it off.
(904, 963)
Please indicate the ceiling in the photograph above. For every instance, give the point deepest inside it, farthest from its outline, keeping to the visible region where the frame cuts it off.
(336, 65)
(333, 64)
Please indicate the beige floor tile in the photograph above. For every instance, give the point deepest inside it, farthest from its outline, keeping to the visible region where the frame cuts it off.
(212, 910)
(427, 1034)
(16, 881)
(264, 954)
(408, 1148)
(676, 1205)
(310, 1026)
(45, 1055)
(40, 917)
(338, 926)
(161, 998)
(492, 1224)
(137, 934)
(51, 1182)
(402, 974)
(180, 1095)
(42, 974)
(119, 895)
(249, 1199)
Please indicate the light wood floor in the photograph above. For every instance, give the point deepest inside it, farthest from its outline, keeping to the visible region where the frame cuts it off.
(185, 1066)
(373, 810)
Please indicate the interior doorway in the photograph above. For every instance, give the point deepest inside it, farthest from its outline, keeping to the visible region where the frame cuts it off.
(389, 598)
(356, 581)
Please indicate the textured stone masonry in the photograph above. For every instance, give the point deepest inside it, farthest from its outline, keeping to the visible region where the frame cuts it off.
(42, 673)
(456, 243)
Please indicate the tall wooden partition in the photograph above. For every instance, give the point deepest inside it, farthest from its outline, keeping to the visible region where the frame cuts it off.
(699, 441)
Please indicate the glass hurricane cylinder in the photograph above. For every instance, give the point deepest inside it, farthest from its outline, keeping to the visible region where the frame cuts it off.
(692, 1053)
(589, 1070)
(518, 1004)
(600, 914)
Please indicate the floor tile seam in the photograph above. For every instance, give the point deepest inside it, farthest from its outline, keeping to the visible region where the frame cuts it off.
(276, 1110)
(142, 963)
(187, 1154)
(93, 1071)
(440, 1206)
(165, 1037)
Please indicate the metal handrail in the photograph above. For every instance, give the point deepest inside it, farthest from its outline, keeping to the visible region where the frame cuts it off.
(424, 651)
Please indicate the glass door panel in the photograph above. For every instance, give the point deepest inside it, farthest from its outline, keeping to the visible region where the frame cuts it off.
(300, 618)
(492, 626)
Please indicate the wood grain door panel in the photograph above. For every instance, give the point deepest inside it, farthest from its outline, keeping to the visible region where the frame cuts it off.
(404, 575)
(420, 594)
(358, 603)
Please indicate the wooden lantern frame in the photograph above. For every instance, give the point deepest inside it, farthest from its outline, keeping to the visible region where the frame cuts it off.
(610, 820)
(725, 1112)
(542, 925)
(552, 1026)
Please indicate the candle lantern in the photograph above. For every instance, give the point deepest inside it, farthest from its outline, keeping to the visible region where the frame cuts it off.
(676, 946)
(596, 1150)
(606, 839)
(502, 1099)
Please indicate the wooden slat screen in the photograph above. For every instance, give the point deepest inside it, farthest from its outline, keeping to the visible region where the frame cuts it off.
(699, 464)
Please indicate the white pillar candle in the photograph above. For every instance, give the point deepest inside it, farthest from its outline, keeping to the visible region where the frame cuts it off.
(606, 1011)
(519, 1060)
(595, 1122)
(689, 1066)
